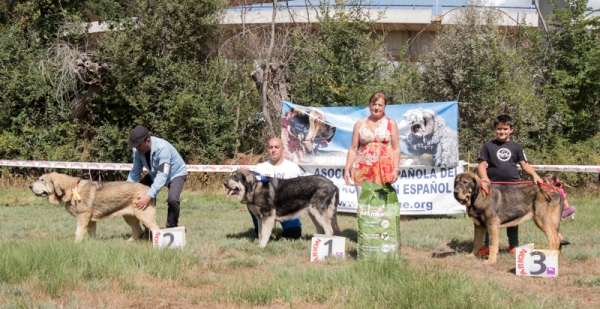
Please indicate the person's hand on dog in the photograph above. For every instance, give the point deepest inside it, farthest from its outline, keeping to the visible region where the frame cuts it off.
(142, 201)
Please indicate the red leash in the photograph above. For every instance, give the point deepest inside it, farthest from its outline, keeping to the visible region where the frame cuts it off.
(545, 186)
(510, 182)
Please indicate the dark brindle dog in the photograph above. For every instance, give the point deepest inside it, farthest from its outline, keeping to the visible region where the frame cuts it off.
(284, 199)
(505, 206)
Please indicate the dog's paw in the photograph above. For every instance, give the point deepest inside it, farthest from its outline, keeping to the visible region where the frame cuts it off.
(489, 262)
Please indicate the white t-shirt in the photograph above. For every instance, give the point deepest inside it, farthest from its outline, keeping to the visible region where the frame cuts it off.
(284, 170)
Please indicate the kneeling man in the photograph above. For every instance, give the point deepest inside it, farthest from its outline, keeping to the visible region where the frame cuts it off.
(279, 167)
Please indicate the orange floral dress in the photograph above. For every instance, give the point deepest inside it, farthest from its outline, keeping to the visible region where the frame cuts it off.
(374, 162)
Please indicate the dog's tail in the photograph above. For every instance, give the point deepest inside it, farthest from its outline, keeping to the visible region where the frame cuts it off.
(334, 224)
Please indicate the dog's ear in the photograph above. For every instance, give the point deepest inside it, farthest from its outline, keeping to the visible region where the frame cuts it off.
(248, 179)
(62, 188)
(56, 182)
(248, 191)
(48, 181)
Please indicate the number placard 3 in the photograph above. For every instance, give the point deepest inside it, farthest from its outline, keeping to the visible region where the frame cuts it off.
(536, 262)
(172, 238)
(323, 245)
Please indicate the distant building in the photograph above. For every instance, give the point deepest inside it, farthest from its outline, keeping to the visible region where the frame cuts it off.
(402, 22)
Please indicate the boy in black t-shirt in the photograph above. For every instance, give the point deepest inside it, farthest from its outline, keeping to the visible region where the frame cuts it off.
(498, 162)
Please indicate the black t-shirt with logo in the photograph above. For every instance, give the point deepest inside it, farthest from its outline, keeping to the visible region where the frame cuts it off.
(502, 159)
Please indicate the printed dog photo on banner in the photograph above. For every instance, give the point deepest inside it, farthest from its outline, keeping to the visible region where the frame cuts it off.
(304, 131)
(320, 136)
(428, 139)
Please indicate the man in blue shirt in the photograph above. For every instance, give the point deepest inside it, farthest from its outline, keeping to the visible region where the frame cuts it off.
(165, 168)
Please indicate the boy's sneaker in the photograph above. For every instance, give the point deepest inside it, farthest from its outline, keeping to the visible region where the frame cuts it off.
(484, 251)
(511, 250)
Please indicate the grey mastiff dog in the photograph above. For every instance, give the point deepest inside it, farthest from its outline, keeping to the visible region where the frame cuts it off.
(275, 199)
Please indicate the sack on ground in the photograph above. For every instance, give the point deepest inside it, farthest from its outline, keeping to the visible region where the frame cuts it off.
(378, 217)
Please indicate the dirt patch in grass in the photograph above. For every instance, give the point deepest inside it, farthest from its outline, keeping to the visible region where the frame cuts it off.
(566, 285)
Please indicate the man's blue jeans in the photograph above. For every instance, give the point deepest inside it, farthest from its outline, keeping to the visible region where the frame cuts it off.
(291, 228)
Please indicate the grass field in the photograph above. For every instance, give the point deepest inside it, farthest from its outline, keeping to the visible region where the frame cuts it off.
(222, 266)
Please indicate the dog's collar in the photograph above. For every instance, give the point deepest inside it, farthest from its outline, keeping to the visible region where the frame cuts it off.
(261, 178)
(74, 190)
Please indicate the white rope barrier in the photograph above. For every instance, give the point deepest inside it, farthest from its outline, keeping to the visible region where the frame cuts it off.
(231, 168)
(560, 168)
(113, 166)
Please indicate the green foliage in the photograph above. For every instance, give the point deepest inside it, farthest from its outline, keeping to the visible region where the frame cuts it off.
(161, 79)
(563, 151)
(160, 75)
(573, 88)
(484, 68)
(166, 70)
(31, 123)
(40, 20)
(343, 62)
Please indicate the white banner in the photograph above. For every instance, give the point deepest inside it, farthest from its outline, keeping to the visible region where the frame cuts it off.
(421, 190)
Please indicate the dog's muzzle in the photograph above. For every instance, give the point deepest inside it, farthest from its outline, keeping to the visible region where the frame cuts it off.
(38, 194)
(462, 201)
(232, 191)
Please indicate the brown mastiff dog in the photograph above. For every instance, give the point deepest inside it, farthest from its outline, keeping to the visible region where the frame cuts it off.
(91, 201)
(507, 205)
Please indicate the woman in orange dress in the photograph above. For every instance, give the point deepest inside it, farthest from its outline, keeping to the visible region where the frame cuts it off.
(374, 153)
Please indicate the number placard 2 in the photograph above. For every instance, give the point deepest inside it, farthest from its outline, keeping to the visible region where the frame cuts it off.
(172, 238)
(536, 262)
(323, 245)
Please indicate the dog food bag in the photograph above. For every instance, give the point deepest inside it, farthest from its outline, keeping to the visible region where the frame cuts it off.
(378, 217)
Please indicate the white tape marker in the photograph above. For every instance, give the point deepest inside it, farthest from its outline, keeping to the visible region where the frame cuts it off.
(231, 168)
(115, 166)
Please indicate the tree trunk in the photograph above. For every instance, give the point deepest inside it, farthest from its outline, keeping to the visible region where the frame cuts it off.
(270, 80)
(273, 91)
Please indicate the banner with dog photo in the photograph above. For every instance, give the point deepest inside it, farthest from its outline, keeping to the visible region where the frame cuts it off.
(317, 139)
(321, 135)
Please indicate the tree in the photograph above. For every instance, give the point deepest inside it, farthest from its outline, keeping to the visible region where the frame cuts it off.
(341, 63)
(33, 125)
(483, 67)
(573, 70)
(165, 76)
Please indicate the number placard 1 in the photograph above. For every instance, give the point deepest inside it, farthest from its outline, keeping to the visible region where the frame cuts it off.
(172, 238)
(536, 262)
(323, 245)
